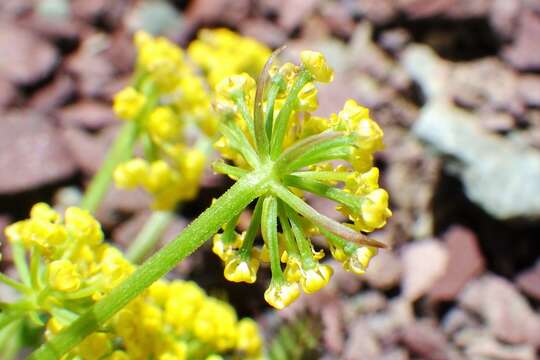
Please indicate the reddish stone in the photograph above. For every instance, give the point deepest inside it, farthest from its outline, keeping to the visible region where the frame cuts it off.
(55, 94)
(523, 53)
(26, 59)
(88, 114)
(465, 262)
(529, 282)
(31, 152)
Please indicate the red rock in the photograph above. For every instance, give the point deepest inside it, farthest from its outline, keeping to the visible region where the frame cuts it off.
(529, 282)
(503, 16)
(117, 203)
(417, 9)
(489, 348)
(231, 12)
(362, 342)
(88, 150)
(384, 271)
(88, 114)
(5, 251)
(523, 53)
(90, 66)
(264, 31)
(108, 12)
(377, 11)
(508, 314)
(466, 9)
(465, 262)
(338, 18)
(425, 339)
(55, 94)
(333, 334)
(424, 263)
(58, 30)
(529, 89)
(294, 12)
(26, 59)
(8, 93)
(31, 152)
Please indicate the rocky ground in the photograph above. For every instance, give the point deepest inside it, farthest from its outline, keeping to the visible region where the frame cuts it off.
(455, 85)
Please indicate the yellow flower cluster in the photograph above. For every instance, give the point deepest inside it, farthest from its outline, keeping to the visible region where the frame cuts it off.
(72, 267)
(330, 157)
(74, 262)
(170, 101)
(172, 320)
(222, 52)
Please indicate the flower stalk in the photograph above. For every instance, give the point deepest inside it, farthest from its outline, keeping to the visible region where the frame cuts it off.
(226, 207)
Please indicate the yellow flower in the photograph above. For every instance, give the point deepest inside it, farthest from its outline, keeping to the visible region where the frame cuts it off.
(239, 270)
(128, 103)
(280, 295)
(164, 125)
(95, 346)
(249, 338)
(63, 276)
(358, 262)
(313, 280)
(316, 64)
(131, 173)
(82, 226)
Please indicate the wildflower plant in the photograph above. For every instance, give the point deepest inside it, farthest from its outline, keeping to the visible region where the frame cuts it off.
(274, 148)
(71, 267)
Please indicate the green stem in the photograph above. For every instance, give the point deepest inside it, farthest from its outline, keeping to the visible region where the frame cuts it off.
(149, 236)
(280, 126)
(202, 228)
(269, 231)
(14, 284)
(119, 152)
(121, 149)
(320, 220)
(19, 258)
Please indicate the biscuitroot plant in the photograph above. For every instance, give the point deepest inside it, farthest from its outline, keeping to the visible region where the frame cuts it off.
(167, 111)
(278, 151)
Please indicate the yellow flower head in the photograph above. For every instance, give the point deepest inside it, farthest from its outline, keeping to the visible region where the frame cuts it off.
(271, 130)
(63, 276)
(316, 64)
(128, 103)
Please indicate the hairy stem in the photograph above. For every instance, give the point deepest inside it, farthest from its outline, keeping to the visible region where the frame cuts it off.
(202, 228)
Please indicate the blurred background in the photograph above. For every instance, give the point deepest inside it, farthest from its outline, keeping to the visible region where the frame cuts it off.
(455, 85)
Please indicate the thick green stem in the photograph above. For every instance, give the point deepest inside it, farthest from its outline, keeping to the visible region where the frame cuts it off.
(202, 228)
(119, 152)
(148, 237)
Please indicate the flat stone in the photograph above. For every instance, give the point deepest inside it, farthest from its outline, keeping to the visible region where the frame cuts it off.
(522, 54)
(384, 271)
(424, 263)
(529, 282)
(507, 313)
(489, 348)
(425, 339)
(465, 262)
(8, 93)
(55, 94)
(31, 152)
(88, 114)
(90, 66)
(264, 31)
(29, 59)
(529, 89)
(361, 341)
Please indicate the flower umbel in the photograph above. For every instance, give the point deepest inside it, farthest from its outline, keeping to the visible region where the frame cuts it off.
(71, 267)
(269, 129)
